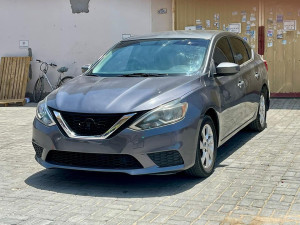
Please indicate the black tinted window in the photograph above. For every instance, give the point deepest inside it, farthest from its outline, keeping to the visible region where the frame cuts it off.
(222, 52)
(239, 51)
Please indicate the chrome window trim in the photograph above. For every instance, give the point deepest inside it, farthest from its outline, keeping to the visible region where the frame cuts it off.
(72, 134)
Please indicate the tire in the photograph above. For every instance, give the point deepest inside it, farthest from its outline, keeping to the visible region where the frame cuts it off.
(38, 91)
(260, 123)
(65, 80)
(204, 166)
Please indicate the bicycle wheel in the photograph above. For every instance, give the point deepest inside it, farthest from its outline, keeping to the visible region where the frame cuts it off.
(65, 80)
(38, 91)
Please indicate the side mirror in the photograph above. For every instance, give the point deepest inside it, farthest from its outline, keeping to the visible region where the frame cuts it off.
(85, 68)
(227, 69)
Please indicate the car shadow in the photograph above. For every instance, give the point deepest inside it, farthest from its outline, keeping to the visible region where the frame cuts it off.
(233, 145)
(85, 183)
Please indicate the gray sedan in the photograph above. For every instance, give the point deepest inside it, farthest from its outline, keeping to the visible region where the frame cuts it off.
(161, 103)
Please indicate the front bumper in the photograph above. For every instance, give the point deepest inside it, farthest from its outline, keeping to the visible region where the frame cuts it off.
(180, 137)
(149, 170)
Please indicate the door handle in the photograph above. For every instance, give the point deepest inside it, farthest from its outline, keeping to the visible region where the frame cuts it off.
(241, 83)
(257, 75)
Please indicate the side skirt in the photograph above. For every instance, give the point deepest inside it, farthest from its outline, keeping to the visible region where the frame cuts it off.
(236, 131)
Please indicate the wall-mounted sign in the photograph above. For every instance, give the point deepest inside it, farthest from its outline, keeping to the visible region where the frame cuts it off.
(279, 36)
(198, 22)
(270, 33)
(208, 23)
(24, 44)
(270, 44)
(190, 28)
(235, 28)
(252, 18)
(162, 11)
(279, 18)
(199, 27)
(289, 25)
(244, 18)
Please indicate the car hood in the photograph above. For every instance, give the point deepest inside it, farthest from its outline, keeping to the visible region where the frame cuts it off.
(88, 94)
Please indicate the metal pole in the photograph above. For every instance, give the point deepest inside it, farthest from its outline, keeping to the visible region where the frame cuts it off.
(173, 15)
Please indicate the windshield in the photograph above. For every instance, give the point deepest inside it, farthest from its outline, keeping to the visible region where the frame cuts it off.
(156, 56)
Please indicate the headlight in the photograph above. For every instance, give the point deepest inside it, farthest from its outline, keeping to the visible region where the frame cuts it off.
(169, 113)
(43, 114)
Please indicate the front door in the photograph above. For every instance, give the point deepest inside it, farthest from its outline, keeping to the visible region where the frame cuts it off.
(247, 76)
(231, 90)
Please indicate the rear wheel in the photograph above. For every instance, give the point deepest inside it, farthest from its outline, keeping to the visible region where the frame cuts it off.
(38, 91)
(65, 80)
(260, 123)
(206, 151)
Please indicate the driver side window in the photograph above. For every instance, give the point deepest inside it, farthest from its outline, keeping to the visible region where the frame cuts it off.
(222, 52)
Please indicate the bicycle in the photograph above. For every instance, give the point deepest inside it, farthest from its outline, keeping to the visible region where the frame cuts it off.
(38, 91)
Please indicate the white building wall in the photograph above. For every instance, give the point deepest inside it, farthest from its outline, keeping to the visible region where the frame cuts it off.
(161, 22)
(57, 35)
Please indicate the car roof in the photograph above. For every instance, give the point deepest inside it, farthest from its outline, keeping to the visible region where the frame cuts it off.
(201, 34)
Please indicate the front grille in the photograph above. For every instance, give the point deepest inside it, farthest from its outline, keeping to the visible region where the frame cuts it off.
(92, 160)
(38, 150)
(167, 158)
(90, 124)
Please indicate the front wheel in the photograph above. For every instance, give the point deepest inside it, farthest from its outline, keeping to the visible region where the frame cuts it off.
(260, 123)
(38, 91)
(65, 80)
(206, 151)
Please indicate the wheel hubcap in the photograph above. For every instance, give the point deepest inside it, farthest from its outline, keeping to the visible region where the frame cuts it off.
(262, 110)
(207, 147)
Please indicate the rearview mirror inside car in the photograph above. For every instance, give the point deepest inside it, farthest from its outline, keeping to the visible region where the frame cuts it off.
(85, 68)
(226, 69)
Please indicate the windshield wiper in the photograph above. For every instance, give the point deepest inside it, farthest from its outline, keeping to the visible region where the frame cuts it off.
(144, 75)
(92, 75)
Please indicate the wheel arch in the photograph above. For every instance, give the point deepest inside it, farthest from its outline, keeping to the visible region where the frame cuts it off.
(214, 116)
(265, 87)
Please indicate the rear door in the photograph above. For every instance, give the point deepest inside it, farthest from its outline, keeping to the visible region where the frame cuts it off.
(231, 94)
(248, 66)
(254, 80)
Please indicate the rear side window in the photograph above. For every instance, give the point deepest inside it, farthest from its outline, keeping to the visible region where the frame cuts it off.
(222, 52)
(239, 51)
